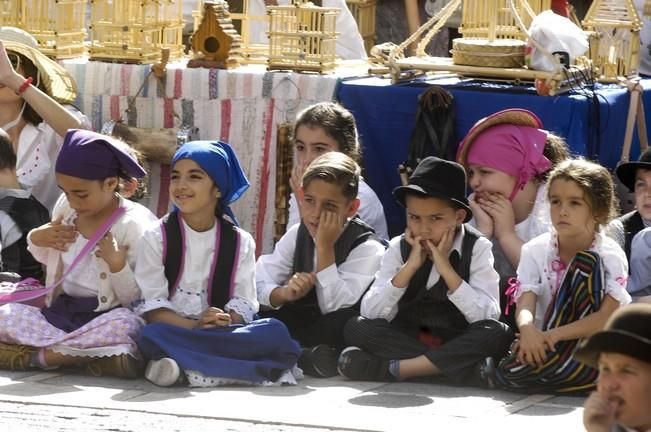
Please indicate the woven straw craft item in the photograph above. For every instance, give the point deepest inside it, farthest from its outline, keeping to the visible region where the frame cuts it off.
(503, 53)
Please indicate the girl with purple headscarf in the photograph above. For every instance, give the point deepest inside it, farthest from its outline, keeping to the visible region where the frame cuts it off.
(87, 320)
(196, 273)
(507, 156)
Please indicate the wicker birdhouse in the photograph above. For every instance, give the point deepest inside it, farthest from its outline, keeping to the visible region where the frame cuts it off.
(614, 29)
(364, 13)
(58, 26)
(135, 31)
(244, 20)
(302, 37)
(10, 12)
(216, 43)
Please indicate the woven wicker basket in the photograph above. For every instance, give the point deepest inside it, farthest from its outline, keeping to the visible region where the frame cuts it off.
(500, 53)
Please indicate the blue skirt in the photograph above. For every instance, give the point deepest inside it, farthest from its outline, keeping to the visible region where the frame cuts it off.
(257, 352)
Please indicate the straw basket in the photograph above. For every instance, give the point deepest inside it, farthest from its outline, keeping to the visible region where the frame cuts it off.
(500, 53)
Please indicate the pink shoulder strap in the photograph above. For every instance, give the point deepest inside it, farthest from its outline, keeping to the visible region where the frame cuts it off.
(26, 293)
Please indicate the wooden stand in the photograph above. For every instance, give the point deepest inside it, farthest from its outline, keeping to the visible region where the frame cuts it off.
(10, 13)
(614, 29)
(57, 25)
(483, 20)
(302, 37)
(135, 31)
(364, 13)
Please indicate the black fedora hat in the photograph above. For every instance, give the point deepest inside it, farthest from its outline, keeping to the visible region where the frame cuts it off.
(438, 178)
(626, 170)
(628, 332)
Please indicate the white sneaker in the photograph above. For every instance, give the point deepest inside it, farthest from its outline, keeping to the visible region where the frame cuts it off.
(164, 372)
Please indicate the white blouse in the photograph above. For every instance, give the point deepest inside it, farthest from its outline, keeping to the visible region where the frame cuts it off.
(191, 296)
(336, 286)
(477, 298)
(38, 148)
(92, 277)
(541, 271)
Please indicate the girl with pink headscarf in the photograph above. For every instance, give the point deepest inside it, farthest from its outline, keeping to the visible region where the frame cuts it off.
(507, 156)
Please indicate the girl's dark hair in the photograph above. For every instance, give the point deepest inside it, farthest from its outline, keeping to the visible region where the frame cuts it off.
(596, 183)
(337, 122)
(7, 154)
(29, 70)
(556, 151)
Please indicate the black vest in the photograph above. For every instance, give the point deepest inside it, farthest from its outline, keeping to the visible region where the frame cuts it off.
(221, 274)
(355, 233)
(28, 214)
(633, 224)
(430, 308)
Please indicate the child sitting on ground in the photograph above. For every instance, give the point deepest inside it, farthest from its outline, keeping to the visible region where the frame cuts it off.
(320, 268)
(196, 273)
(436, 281)
(20, 212)
(570, 280)
(87, 320)
(636, 176)
(507, 156)
(322, 128)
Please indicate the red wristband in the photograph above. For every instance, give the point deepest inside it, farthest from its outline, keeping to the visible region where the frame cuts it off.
(23, 88)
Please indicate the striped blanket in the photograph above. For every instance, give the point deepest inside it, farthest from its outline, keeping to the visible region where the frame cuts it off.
(579, 295)
(242, 107)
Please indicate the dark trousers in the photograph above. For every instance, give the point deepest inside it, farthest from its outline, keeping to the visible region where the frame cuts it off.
(456, 358)
(309, 327)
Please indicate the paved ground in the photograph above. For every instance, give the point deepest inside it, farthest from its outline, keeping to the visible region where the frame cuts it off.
(61, 401)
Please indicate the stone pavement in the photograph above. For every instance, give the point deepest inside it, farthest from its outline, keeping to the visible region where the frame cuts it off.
(62, 401)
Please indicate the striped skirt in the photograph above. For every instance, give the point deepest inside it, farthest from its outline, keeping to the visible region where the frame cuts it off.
(579, 295)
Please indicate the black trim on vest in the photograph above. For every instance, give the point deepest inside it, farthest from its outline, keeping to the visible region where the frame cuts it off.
(28, 214)
(430, 308)
(221, 274)
(633, 224)
(355, 233)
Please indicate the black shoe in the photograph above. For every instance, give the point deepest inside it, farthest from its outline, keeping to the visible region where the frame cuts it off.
(358, 365)
(485, 374)
(319, 361)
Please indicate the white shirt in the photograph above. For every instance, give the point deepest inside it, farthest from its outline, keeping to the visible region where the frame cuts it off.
(477, 298)
(350, 45)
(191, 296)
(10, 233)
(92, 277)
(540, 272)
(336, 287)
(370, 210)
(38, 148)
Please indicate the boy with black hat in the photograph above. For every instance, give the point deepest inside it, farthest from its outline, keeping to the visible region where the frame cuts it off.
(633, 230)
(622, 352)
(433, 307)
(636, 176)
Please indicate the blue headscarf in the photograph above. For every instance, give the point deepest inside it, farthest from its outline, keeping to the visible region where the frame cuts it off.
(218, 160)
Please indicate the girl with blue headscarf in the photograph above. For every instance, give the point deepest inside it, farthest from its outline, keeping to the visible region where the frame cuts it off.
(196, 273)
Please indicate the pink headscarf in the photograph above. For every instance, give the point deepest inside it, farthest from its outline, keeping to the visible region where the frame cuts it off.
(515, 150)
